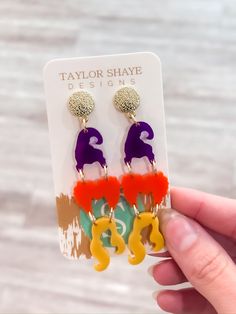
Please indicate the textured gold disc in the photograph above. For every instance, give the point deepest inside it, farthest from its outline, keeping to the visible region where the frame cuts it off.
(126, 100)
(81, 104)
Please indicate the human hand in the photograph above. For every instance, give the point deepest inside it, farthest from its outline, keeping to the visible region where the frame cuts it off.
(202, 250)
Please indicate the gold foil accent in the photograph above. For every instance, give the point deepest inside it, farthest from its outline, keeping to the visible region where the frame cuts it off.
(81, 104)
(126, 100)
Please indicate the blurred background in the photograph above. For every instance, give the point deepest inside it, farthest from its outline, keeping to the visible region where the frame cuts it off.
(196, 41)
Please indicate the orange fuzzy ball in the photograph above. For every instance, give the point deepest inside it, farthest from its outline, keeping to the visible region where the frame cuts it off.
(84, 193)
(110, 189)
(87, 191)
(132, 185)
(157, 185)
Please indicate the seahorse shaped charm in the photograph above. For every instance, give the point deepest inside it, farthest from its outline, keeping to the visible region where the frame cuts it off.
(97, 249)
(135, 244)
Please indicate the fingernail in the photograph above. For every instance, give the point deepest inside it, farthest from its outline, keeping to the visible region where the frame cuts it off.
(179, 231)
(151, 268)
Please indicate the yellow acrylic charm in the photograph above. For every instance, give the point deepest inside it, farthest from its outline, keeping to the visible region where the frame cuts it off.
(135, 244)
(97, 249)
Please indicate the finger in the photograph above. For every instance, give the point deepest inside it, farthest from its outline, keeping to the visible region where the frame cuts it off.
(209, 210)
(202, 260)
(167, 273)
(160, 254)
(185, 301)
(228, 244)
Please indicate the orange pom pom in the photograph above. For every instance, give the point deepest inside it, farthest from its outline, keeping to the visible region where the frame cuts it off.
(87, 191)
(84, 193)
(110, 189)
(132, 185)
(157, 185)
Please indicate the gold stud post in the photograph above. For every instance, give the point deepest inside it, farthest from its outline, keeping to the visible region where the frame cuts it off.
(127, 100)
(81, 104)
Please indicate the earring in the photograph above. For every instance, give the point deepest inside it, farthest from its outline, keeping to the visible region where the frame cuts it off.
(152, 184)
(81, 104)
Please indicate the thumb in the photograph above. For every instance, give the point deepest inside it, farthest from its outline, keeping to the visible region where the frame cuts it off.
(203, 261)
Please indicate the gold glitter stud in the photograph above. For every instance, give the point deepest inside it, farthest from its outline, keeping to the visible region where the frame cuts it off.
(81, 104)
(127, 100)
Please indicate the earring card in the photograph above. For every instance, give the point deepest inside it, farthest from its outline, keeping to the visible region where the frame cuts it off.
(101, 76)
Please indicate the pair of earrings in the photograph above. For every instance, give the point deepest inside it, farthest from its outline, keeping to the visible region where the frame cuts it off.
(153, 184)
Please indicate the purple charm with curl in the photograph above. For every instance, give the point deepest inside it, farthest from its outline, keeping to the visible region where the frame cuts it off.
(135, 147)
(85, 153)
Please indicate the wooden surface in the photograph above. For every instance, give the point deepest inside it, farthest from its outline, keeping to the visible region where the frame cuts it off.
(196, 41)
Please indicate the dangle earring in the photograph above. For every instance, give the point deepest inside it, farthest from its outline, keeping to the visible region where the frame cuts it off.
(153, 184)
(81, 104)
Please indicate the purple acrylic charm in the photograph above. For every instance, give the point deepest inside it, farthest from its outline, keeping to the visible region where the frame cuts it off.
(134, 144)
(85, 153)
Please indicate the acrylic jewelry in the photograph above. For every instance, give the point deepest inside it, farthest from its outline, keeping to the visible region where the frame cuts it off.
(153, 184)
(81, 104)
